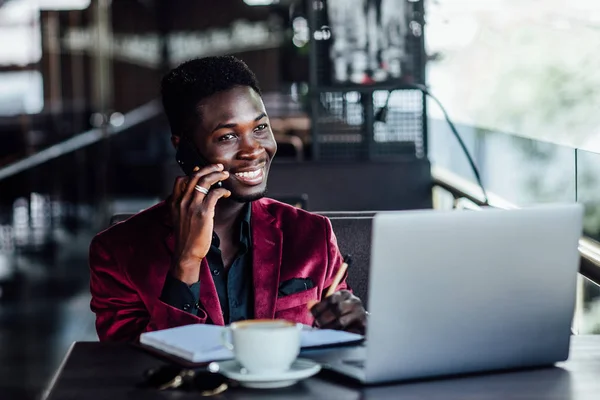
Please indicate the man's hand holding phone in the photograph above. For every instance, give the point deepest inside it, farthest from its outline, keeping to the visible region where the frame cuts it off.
(193, 219)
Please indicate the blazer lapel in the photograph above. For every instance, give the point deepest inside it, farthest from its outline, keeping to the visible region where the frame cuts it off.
(266, 260)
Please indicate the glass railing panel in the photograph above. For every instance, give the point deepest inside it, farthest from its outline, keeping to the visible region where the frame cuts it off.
(522, 171)
(588, 194)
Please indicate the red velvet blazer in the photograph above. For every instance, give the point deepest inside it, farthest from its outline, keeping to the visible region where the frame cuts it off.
(130, 261)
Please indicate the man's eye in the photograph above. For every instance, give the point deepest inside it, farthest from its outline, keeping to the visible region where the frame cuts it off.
(228, 136)
(261, 127)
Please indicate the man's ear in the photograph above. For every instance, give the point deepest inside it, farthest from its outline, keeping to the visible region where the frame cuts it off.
(175, 140)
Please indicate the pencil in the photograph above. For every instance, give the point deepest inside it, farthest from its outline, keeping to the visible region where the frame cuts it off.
(336, 280)
(338, 277)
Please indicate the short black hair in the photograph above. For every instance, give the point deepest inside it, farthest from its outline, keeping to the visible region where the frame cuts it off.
(184, 87)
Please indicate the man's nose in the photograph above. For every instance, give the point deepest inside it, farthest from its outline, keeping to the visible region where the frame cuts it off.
(251, 148)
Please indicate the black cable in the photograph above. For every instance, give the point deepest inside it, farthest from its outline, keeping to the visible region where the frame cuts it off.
(381, 116)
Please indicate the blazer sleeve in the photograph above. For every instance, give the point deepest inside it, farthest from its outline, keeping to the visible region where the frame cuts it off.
(121, 314)
(334, 260)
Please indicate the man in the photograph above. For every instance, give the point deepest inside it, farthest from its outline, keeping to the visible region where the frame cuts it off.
(224, 254)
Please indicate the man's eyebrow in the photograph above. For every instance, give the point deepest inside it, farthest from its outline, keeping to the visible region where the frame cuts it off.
(229, 126)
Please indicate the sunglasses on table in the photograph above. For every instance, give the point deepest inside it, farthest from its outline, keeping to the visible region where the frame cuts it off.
(207, 381)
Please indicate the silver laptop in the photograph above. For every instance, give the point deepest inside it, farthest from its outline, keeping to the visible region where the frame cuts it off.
(467, 291)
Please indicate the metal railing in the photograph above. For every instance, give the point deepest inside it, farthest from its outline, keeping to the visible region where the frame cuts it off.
(131, 119)
(468, 195)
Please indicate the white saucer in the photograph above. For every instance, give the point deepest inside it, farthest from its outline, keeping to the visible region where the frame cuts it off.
(300, 369)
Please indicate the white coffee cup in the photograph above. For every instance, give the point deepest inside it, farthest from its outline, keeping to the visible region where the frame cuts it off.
(263, 346)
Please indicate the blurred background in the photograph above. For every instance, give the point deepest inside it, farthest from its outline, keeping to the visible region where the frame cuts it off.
(83, 136)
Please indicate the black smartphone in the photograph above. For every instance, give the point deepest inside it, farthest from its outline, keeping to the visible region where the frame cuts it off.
(189, 159)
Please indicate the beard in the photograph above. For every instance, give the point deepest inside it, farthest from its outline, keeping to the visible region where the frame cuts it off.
(248, 198)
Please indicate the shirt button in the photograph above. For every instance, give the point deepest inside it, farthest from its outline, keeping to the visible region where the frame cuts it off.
(216, 272)
(186, 307)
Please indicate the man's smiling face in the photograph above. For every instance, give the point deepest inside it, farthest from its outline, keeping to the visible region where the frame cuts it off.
(234, 131)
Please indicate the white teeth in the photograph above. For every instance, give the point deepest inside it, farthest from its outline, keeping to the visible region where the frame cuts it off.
(249, 174)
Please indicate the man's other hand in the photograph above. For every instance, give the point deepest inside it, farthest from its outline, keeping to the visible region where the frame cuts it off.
(341, 311)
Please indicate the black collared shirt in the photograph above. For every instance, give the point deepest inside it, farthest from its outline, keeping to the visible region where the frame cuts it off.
(234, 286)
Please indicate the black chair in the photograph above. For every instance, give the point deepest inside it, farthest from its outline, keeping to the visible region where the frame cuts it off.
(353, 231)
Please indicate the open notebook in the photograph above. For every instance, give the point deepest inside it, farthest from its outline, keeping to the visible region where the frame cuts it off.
(202, 343)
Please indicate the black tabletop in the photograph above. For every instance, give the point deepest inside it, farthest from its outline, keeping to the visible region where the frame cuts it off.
(93, 370)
